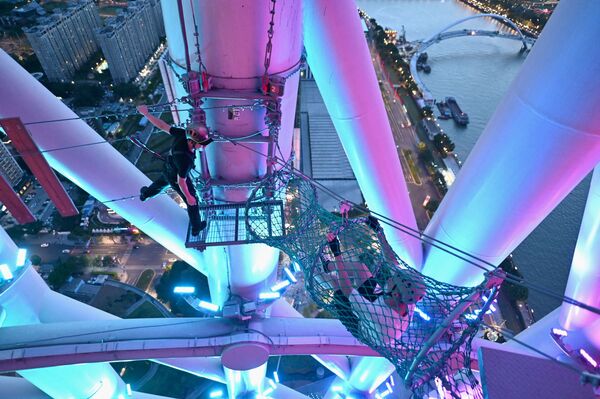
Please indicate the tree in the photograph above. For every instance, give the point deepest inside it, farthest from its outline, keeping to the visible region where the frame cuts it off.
(34, 227)
(107, 261)
(36, 260)
(425, 154)
(60, 89)
(443, 143)
(87, 95)
(432, 205)
(126, 90)
(15, 232)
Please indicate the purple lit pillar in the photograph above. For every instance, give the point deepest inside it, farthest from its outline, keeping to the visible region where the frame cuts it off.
(341, 64)
(584, 277)
(235, 60)
(543, 139)
(232, 39)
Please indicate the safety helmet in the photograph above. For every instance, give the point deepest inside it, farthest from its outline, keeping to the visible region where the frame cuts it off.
(405, 287)
(197, 133)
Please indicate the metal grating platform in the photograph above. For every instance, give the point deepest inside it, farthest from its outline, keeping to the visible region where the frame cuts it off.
(226, 223)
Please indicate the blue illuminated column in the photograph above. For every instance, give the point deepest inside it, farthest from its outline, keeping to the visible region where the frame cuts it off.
(341, 64)
(543, 139)
(27, 300)
(99, 169)
(584, 277)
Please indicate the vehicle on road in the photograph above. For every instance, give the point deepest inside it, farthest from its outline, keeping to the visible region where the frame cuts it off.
(66, 251)
(45, 245)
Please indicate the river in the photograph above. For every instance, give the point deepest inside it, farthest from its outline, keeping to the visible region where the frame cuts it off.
(477, 71)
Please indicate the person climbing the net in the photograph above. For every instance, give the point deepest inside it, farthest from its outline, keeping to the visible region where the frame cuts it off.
(177, 168)
(375, 308)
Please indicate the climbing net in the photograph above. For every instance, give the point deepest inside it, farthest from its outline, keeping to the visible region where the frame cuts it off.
(424, 327)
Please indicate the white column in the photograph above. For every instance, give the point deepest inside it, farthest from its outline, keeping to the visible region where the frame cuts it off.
(235, 59)
(341, 64)
(27, 300)
(584, 277)
(232, 41)
(338, 365)
(543, 139)
(99, 169)
(363, 374)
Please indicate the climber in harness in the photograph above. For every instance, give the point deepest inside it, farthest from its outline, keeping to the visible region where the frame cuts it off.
(178, 165)
(364, 301)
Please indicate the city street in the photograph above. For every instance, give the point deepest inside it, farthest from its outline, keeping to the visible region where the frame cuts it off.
(132, 257)
(405, 137)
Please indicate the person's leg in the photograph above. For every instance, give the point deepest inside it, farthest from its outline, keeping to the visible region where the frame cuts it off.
(345, 314)
(194, 211)
(154, 189)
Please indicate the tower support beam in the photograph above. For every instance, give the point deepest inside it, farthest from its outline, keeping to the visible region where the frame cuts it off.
(543, 139)
(341, 65)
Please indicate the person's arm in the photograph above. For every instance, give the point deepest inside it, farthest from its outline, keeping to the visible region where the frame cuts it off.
(189, 198)
(159, 123)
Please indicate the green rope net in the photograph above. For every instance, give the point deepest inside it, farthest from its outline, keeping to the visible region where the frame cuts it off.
(424, 327)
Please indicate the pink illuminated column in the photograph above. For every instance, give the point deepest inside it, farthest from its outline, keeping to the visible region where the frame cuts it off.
(543, 139)
(341, 64)
(584, 277)
(232, 38)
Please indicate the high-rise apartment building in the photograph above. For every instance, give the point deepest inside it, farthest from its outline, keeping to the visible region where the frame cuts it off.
(158, 16)
(129, 39)
(9, 168)
(65, 40)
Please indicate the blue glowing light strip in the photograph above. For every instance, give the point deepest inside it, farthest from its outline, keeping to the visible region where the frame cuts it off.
(5, 272)
(269, 295)
(184, 290)
(21, 257)
(280, 285)
(208, 306)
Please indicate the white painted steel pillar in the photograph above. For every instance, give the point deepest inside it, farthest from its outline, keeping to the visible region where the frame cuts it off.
(232, 40)
(27, 300)
(20, 388)
(341, 64)
(584, 277)
(363, 374)
(92, 164)
(543, 139)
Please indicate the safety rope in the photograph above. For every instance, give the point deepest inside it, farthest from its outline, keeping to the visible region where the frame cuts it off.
(184, 35)
(268, 48)
(443, 246)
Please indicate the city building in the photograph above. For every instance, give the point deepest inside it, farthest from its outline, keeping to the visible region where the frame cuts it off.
(9, 168)
(157, 15)
(64, 40)
(129, 39)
